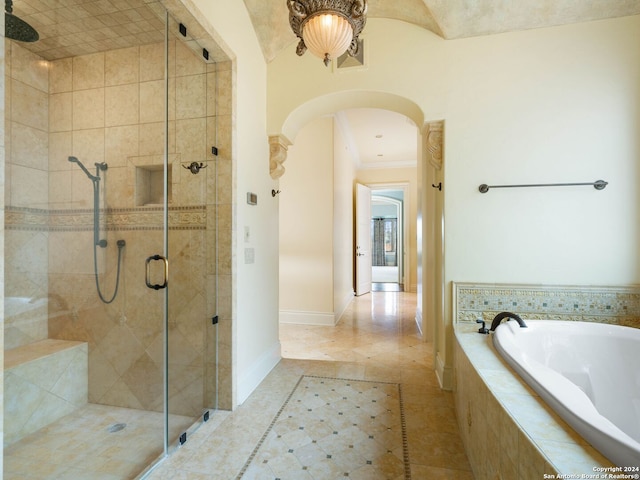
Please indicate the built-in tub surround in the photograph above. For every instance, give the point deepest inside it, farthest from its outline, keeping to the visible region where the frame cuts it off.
(494, 406)
(586, 372)
(508, 431)
(108, 107)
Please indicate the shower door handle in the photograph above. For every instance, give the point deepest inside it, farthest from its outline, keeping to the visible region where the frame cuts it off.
(147, 280)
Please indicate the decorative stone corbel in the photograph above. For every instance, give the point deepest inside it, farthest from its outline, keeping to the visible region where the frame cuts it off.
(278, 145)
(433, 135)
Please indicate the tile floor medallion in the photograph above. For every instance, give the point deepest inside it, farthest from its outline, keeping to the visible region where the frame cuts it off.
(331, 428)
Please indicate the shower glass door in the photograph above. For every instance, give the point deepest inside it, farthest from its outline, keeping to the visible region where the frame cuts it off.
(110, 356)
(191, 233)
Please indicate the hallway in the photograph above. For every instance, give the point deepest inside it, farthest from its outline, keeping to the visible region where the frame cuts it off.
(375, 341)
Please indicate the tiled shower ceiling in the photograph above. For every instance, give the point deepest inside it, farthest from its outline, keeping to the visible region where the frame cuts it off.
(75, 27)
(68, 28)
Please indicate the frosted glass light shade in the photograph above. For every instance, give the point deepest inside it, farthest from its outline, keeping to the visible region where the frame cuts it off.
(327, 35)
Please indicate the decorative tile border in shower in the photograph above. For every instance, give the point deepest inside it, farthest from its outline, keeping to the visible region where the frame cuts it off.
(72, 220)
(616, 305)
(17, 218)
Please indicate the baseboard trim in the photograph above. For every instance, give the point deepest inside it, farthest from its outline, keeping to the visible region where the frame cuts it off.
(346, 301)
(257, 372)
(444, 373)
(307, 318)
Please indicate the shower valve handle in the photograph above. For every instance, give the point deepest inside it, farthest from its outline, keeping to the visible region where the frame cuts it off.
(156, 286)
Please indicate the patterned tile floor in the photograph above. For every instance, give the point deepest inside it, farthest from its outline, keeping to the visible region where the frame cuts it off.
(332, 427)
(376, 342)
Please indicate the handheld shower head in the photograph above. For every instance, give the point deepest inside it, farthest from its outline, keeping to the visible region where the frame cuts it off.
(93, 178)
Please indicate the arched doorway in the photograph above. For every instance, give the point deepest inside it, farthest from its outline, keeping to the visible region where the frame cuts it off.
(429, 251)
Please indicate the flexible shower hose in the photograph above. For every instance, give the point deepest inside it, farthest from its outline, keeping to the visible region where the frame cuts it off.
(121, 244)
(97, 242)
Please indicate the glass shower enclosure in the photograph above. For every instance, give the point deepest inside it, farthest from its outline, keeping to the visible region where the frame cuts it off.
(110, 236)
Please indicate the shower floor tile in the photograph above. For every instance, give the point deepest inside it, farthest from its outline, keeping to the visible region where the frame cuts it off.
(96, 442)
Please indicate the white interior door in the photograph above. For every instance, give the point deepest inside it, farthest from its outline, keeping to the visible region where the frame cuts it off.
(363, 239)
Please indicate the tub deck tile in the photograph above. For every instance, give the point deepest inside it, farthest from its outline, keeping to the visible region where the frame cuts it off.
(546, 443)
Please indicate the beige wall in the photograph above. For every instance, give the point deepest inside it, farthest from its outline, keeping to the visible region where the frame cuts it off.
(343, 222)
(547, 105)
(316, 226)
(565, 111)
(307, 226)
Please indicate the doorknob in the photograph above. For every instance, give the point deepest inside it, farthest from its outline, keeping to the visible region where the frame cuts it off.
(165, 272)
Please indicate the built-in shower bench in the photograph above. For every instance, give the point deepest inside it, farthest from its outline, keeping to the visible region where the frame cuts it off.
(43, 381)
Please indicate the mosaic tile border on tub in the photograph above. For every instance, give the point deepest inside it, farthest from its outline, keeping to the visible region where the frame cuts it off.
(614, 305)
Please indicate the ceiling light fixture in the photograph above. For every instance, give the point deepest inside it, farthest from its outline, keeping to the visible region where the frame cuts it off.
(327, 28)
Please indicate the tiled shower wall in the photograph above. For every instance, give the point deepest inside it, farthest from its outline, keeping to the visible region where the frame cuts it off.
(109, 107)
(2, 204)
(27, 189)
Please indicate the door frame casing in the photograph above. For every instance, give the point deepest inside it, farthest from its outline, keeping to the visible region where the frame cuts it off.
(404, 263)
(432, 260)
(362, 256)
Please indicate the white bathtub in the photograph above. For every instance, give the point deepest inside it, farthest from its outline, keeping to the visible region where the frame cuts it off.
(589, 373)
